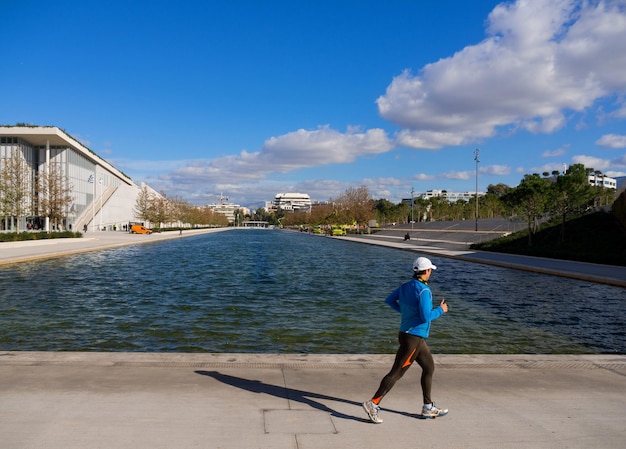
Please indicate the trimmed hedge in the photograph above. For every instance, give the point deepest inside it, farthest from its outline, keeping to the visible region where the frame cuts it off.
(42, 235)
(598, 237)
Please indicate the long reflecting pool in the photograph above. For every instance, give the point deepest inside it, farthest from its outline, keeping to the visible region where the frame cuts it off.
(274, 291)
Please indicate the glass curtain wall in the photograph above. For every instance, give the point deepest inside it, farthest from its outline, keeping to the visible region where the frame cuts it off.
(11, 147)
(79, 173)
(88, 182)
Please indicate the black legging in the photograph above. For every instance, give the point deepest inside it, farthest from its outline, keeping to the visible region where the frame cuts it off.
(412, 348)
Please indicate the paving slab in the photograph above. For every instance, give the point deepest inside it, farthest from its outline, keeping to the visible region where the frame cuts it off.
(297, 401)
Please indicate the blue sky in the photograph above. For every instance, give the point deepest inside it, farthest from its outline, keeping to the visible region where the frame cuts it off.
(252, 98)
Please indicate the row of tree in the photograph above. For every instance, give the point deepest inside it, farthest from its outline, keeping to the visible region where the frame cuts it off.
(26, 194)
(48, 194)
(559, 195)
(160, 210)
(537, 197)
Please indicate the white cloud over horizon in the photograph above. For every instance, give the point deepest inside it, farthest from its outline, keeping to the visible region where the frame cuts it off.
(612, 141)
(541, 60)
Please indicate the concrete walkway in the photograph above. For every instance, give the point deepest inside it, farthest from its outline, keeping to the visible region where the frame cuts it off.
(272, 401)
(456, 246)
(243, 401)
(12, 252)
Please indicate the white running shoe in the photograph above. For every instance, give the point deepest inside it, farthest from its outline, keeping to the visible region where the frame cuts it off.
(372, 411)
(432, 411)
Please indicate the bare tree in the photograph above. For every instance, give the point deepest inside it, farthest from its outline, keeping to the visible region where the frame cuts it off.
(54, 194)
(155, 207)
(161, 209)
(355, 205)
(143, 205)
(16, 180)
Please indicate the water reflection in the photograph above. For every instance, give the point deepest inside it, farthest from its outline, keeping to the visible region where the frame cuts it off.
(274, 291)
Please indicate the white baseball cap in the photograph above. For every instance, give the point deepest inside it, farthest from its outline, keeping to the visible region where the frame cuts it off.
(423, 264)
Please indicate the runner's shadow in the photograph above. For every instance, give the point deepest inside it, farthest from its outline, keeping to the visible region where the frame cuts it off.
(304, 397)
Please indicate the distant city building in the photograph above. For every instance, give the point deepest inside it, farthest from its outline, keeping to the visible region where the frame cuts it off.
(603, 181)
(102, 196)
(450, 196)
(621, 183)
(291, 202)
(229, 210)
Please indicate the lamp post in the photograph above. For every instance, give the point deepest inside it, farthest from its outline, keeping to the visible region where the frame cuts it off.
(100, 210)
(91, 180)
(477, 161)
(412, 220)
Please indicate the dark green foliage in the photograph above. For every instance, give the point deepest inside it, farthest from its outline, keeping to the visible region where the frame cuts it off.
(21, 236)
(619, 208)
(598, 237)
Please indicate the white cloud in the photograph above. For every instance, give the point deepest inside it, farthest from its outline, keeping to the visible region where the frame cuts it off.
(292, 151)
(304, 148)
(462, 175)
(612, 141)
(495, 170)
(542, 59)
(601, 164)
(147, 166)
(592, 162)
(423, 177)
(554, 153)
(548, 168)
(321, 189)
(607, 166)
(620, 113)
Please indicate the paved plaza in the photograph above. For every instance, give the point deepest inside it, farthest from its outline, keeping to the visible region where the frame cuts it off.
(242, 401)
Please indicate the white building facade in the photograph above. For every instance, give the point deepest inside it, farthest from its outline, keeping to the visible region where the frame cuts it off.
(102, 196)
(450, 196)
(603, 181)
(292, 202)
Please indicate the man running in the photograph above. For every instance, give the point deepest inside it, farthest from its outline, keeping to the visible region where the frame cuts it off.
(414, 301)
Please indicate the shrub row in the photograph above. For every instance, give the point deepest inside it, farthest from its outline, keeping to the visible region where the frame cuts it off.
(21, 236)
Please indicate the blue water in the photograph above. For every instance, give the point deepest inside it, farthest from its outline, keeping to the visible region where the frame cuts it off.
(276, 291)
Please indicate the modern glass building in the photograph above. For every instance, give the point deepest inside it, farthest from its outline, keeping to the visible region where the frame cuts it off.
(102, 196)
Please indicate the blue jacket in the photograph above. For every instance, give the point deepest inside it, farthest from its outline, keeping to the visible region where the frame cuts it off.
(414, 301)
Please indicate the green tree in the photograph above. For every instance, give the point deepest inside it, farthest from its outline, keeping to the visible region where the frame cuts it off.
(386, 211)
(261, 214)
(571, 193)
(493, 199)
(421, 208)
(439, 208)
(602, 195)
(530, 200)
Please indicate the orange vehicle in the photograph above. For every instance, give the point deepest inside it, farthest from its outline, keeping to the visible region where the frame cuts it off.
(139, 229)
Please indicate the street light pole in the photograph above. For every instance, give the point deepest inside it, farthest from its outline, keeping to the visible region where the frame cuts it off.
(477, 161)
(412, 220)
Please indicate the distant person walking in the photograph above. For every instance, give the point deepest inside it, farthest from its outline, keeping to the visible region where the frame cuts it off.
(414, 301)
